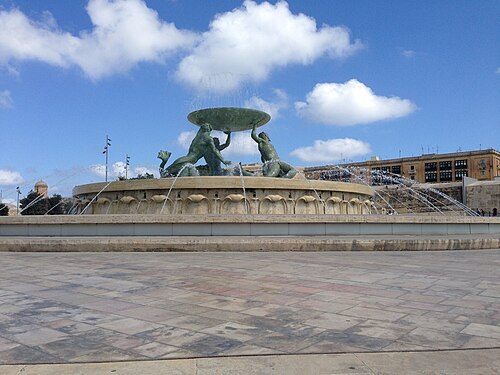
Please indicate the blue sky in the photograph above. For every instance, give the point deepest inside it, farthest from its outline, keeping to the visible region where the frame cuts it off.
(342, 79)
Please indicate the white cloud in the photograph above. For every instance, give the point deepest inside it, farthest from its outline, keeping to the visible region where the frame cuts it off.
(124, 33)
(246, 44)
(241, 144)
(98, 169)
(270, 107)
(5, 99)
(332, 150)
(185, 138)
(350, 103)
(408, 53)
(9, 202)
(24, 39)
(118, 169)
(10, 177)
(144, 170)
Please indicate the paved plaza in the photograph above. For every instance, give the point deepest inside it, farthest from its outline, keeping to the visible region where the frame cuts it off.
(92, 307)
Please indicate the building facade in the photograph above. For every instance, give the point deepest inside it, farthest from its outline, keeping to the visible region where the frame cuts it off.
(483, 165)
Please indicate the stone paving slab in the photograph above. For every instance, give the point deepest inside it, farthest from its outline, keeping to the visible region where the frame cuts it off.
(461, 362)
(89, 307)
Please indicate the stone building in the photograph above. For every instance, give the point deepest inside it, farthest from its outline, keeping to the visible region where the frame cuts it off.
(41, 188)
(483, 165)
(483, 195)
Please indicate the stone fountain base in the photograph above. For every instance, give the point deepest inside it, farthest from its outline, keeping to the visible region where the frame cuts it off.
(224, 195)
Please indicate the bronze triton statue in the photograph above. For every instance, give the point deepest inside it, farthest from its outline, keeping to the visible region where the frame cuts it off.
(273, 166)
(201, 145)
(212, 160)
(226, 119)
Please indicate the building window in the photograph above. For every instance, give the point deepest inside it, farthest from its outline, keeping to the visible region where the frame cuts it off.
(461, 164)
(412, 168)
(459, 175)
(386, 169)
(396, 169)
(445, 165)
(430, 176)
(445, 176)
(430, 167)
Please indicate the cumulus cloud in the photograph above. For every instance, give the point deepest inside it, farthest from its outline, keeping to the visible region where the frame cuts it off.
(8, 177)
(241, 143)
(5, 99)
(124, 33)
(350, 103)
(332, 150)
(246, 44)
(98, 169)
(271, 107)
(118, 169)
(144, 170)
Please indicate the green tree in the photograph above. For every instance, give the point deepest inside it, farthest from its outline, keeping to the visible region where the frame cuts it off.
(145, 176)
(33, 204)
(4, 209)
(56, 206)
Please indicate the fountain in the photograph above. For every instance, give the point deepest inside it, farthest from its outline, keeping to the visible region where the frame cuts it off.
(186, 189)
(216, 208)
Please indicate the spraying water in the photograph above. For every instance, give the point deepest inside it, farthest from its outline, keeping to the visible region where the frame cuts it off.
(313, 189)
(173, 183)
(365, 183)
(243, 186)
(95, 197)
(434, 200)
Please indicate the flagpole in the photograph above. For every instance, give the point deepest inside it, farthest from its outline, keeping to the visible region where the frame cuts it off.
(106, 159)
(106, 148)
(127, 163)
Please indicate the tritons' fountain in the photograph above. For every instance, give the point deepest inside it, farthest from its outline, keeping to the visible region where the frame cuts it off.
(185, 189)
(233, 208)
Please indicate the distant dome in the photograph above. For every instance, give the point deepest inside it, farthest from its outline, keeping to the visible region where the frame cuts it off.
(41, 183)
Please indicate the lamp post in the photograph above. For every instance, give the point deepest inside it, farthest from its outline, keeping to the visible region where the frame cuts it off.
(106, 151)
(18, 194)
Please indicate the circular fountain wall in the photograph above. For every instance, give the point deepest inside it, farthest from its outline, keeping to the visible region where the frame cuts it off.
(223, 195)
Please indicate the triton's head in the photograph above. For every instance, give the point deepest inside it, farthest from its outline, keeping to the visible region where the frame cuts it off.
(206, 127)
(264, 136)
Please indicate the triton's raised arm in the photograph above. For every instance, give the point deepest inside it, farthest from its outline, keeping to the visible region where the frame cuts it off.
(227, 143)
(255, 137)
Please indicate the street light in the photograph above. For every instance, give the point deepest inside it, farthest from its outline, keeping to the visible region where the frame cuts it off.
(106, 151)
(18, 194)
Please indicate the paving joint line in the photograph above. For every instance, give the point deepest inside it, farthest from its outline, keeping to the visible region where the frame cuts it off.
(255, 355)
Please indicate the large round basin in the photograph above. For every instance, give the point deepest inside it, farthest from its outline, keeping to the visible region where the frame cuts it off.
(224, 195)
(229, 119)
